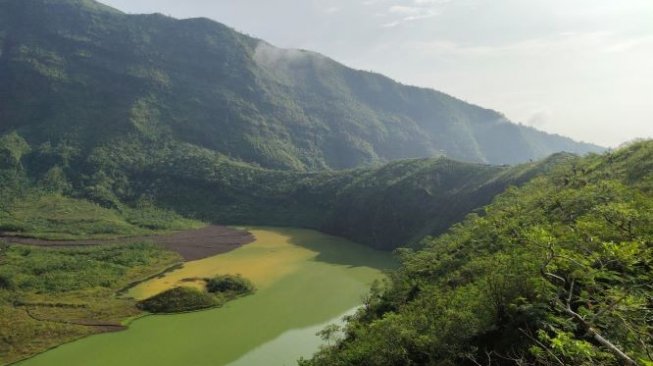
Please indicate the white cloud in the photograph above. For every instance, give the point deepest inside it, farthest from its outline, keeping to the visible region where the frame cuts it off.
(629, 44)
(540, 118)
(430, 2)
(401, 9)
(332, 9)
(420, 9)
(423, 15)
(391, 24)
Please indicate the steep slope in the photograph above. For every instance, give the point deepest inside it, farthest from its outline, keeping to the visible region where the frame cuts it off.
(382, 207)
(140, 188)
(557, 272)
(77, 73)
(147, 185)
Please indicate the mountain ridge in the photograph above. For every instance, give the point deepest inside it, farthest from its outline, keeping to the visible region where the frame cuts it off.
(508, 286)
(81, 72)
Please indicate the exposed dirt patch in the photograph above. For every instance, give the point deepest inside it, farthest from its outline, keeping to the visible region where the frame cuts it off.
(110, 328)
(205, 242)
(191, 245)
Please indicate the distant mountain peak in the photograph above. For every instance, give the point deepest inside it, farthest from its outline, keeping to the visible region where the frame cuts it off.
(91, 79)
(85, 4)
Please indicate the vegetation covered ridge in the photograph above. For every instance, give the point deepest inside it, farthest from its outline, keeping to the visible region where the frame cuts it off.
(133, 188)
(110, 130)
(76, 75)
(557, 272)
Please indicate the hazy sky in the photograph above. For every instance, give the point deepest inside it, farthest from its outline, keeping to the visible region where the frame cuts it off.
(581, 68)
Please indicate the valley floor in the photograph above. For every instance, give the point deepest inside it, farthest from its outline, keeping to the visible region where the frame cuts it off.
(303, 279)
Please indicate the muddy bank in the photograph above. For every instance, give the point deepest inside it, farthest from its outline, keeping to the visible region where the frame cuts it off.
(191, 244)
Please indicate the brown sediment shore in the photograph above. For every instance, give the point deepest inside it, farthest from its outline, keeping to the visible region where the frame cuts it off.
(190, 244)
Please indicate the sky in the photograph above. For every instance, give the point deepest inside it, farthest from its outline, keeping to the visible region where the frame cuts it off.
(580, 68)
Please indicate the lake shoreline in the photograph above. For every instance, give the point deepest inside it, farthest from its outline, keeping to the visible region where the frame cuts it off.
(189, 244)
(323, 276)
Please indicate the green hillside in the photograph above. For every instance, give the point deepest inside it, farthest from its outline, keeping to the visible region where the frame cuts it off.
(557, 272)
(137, 187)
(138, 120)
(518, 247)
(76, 75)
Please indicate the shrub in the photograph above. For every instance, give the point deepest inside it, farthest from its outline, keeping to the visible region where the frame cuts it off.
(230, 284)
(4, 247)
(179, 299)
(6, 283)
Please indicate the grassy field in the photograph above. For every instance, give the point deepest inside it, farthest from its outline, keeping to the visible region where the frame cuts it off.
(303, 279)
(49, 297)
(56, 217)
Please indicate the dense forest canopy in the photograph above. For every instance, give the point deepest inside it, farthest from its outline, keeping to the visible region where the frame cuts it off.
(558, 272)
(133, 187)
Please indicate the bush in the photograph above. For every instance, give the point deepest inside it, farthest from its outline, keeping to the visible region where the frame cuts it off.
(179, 299)
(4, 247)
(6, 283)
(230, 284)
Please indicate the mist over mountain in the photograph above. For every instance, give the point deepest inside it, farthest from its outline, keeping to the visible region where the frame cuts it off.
(128, 141)
(197, 119)
(83, 74)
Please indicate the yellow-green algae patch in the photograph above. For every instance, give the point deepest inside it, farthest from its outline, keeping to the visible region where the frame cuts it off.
(304, 279)
(273, 255)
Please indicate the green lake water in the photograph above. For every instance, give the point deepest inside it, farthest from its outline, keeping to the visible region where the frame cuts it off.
(305, 280)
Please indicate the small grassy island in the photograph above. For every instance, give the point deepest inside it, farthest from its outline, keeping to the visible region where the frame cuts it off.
(219, 290)
(229, 285)
(177, 300)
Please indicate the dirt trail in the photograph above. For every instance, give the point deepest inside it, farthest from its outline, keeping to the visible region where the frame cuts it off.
(191, 244)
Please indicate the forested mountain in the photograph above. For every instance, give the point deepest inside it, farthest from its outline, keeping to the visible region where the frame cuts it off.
(557, 272)
(76, 75)
(188, 117)
(384, 207)
(116, 126)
